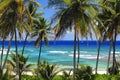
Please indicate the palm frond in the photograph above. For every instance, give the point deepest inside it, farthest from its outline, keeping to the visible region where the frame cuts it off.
(4, 4)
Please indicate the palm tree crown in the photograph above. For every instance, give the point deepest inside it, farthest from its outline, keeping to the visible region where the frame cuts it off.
(40, 29)
(75, 14)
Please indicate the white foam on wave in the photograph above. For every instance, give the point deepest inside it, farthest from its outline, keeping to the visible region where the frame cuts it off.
(80, 51)
(62, 52)
(117, 52)
(87, 56)
(4, 52)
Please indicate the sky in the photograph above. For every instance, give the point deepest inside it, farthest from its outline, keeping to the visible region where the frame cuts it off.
(49, 13)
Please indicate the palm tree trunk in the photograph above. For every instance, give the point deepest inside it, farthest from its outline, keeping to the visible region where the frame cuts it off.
(39, 54)
(109, 55)
(2, 50)
(9, 46)
(114, 49)
(97, 58)
(25, 43)
(78, 60)
(17, 58)
(74, 56)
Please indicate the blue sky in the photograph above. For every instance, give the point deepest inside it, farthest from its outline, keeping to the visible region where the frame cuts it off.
(48, 13)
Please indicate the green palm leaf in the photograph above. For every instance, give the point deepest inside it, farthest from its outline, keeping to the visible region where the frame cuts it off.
(4, 4)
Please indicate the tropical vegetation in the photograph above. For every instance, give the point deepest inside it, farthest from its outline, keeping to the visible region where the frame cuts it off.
(84, 17)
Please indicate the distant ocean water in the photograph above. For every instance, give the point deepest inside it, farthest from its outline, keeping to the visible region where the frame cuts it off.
(61, 52)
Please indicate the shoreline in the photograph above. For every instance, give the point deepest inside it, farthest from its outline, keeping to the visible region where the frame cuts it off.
(61, 73)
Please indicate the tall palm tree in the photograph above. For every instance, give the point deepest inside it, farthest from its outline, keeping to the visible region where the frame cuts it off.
(40, 30)
(112, 16)
(31, 10)
(6, 21)
(12, 12)
(110, 49)
(99, 46)
(74, 14)
(102, 31)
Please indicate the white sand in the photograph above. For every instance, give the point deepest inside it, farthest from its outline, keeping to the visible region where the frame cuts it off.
(100, 72)
(60, 73)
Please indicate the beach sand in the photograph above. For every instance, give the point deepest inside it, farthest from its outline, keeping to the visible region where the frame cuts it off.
(60, 73)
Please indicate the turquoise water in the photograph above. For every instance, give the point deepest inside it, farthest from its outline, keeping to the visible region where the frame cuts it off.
(61, 52)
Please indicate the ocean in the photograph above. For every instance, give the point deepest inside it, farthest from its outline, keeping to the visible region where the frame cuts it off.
(61, 52)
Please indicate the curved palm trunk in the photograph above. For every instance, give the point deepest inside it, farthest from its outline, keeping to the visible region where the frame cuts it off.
(109, 55)
(74, 56)
(25, 43)
(78, 60)
(17, 58)
(97, 58)
(9, 46)
(39, 54)
(114, 49)
(2, 50)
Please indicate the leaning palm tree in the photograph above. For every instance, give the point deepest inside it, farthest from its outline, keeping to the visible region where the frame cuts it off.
(40, 29)
(110, 49)
(99, 46)
(74, 14)
(31, 10)
(102, 31)
(112, 10)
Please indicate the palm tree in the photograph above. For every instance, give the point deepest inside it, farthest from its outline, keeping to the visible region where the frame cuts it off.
(74, 14)
(28, 21)
(6, 28)
(12, 12)
(99, 46)
(112, 16)
(105, 29)
(108, 62)
(40, 29)
(102, 30)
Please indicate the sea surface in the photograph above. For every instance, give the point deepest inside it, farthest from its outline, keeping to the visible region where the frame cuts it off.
(61, 52)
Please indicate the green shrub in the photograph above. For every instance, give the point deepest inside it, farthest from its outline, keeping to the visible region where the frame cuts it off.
(66, 75)
(5, 75)
(83, 72)
(93, 77)
(105, 77)
(100, 77)
(110, 70)
(47, 71)
(27, 77)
